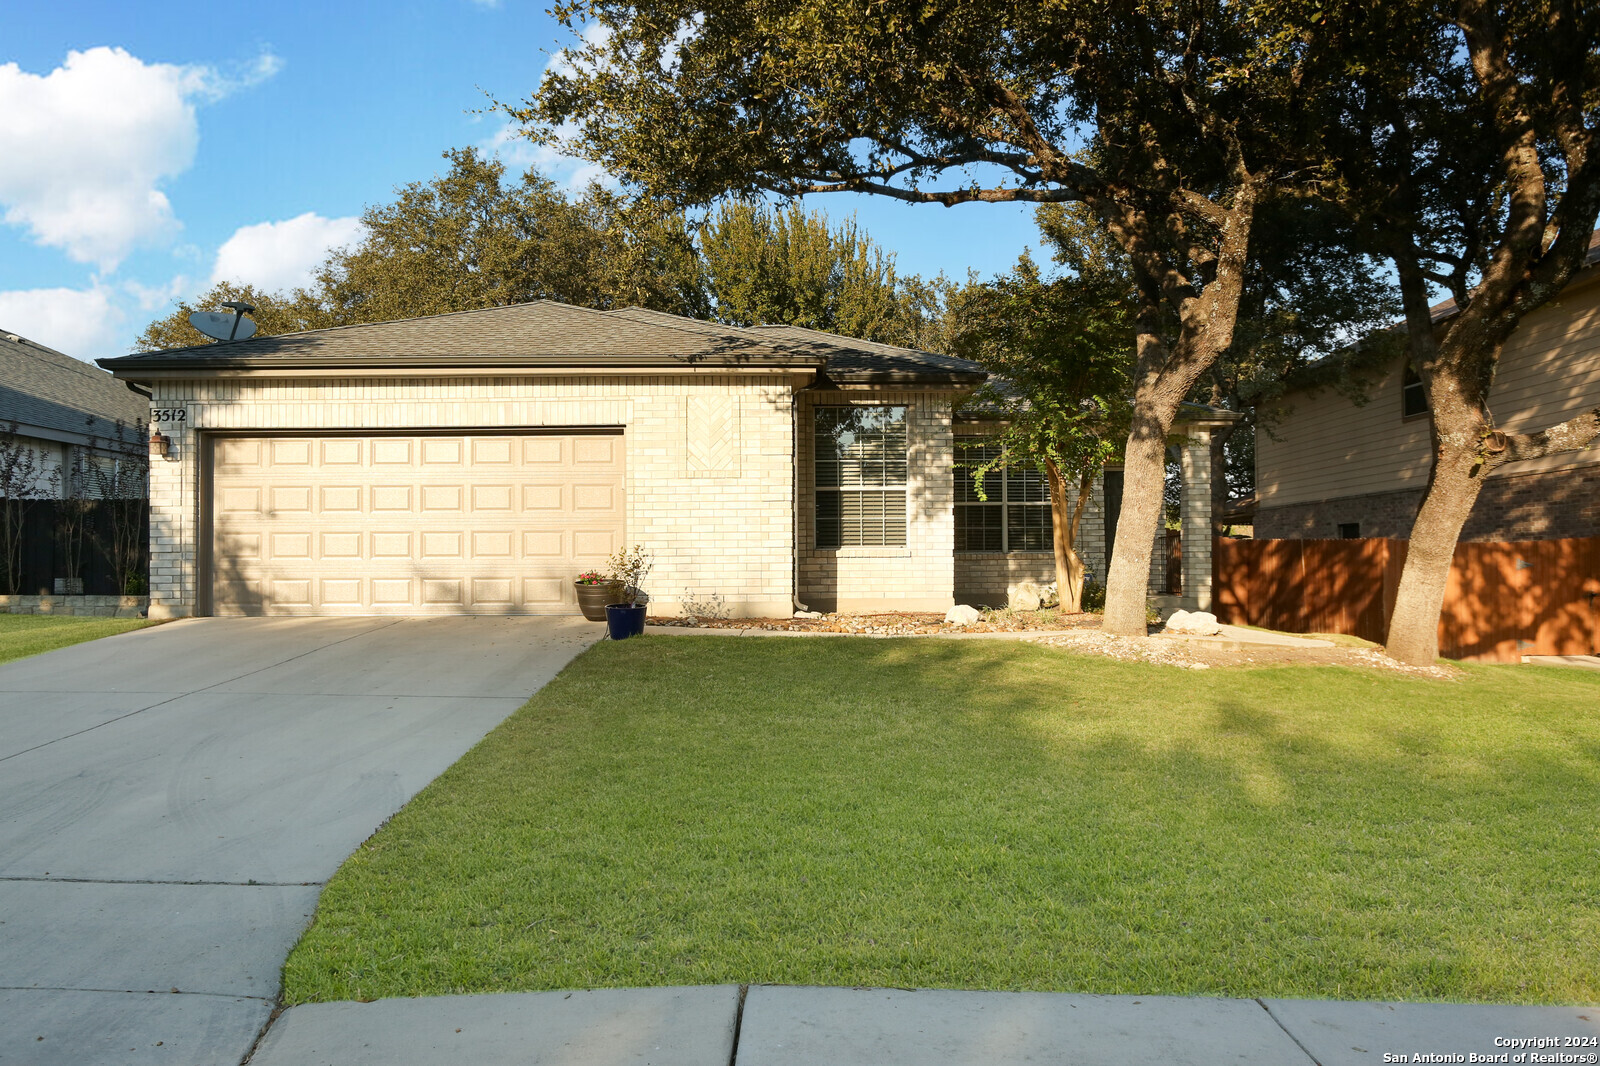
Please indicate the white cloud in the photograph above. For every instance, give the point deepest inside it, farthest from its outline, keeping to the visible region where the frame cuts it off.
(593, 40)
(279, 256)
(85, 148)
(519, 153)
(151, 297)
(80, 322)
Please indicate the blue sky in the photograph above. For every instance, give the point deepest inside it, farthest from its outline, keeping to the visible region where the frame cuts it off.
(146, 149)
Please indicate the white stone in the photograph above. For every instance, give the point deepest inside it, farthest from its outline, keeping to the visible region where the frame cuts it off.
(808, 614)
(962, 615)
(1049, 595)
(1027, 596)
(1193, 623)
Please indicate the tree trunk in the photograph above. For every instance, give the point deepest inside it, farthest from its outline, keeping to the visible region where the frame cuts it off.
(1064, 525)
(1414, 627)
(1144, 474)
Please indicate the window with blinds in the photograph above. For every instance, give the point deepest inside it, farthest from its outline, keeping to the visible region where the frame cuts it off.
(861, 476)
(1015, 517)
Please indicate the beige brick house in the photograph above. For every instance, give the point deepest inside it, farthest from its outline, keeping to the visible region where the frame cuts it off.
(477, 462)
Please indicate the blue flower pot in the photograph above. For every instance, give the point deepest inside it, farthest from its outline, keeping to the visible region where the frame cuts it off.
(624, 620)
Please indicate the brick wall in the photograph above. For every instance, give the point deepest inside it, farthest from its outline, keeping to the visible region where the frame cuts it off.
(917, 577)
(708, 463)
(1546, 505)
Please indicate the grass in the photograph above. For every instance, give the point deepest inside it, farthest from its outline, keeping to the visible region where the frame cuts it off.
(994, 815)
(29, 634)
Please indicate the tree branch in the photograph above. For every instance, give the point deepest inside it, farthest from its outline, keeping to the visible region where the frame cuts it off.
(1575, 434)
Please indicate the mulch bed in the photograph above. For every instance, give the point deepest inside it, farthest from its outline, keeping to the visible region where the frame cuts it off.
(897, 623)
(1074, 632)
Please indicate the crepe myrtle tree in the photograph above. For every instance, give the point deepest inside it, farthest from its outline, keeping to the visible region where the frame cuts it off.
(1061, 351)
(1475, 169)
(1171, 120)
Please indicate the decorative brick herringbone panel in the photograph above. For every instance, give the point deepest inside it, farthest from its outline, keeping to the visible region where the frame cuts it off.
(711, 433)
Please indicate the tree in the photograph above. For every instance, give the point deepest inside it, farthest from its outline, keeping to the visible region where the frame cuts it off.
(1474, 167)
(25, 476)
(274, 313)
(1063, 352)
(789, 266)
(469, 239)
(1171, 119)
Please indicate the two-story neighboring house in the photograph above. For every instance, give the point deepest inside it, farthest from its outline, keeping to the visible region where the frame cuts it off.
(1333, 468)
(51, 403)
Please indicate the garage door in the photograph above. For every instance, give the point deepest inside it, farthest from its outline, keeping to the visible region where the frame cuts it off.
(458, 524)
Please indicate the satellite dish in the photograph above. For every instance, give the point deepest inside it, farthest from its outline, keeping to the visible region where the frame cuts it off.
(221, 326)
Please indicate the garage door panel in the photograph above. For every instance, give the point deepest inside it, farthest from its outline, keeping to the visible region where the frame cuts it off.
(544, 451)
(448, 524)
(342, 451)
(290, 498)
(393, 498)
(291, 453)
(441, 497)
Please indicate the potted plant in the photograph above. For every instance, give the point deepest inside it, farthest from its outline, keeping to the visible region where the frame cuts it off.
(628, 567)
(595, 590)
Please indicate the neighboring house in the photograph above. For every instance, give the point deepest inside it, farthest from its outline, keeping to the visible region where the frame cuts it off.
(1334, 468)
(477, 462)
(62, 407)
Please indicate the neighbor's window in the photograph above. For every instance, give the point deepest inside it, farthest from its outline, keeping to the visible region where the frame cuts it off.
(1413, 398)
(1349, 530)
(861, 476)
(1015, 517)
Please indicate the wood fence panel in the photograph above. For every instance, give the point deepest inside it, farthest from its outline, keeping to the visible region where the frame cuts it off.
(1232, 564)
(1502, 600)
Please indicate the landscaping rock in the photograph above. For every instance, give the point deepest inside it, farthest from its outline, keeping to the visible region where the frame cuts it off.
(1049, 595)
(962, 615)
(1193, 623)
(1027, 596)
(808, 614)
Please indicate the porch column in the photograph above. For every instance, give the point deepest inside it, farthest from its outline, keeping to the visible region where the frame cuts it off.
(1195, 459)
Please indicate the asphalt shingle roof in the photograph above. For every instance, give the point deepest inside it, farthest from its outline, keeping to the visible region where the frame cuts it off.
(46, 389)
(544, 333)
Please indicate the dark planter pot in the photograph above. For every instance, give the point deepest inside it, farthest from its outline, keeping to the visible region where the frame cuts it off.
(625, 620)
(592, 599)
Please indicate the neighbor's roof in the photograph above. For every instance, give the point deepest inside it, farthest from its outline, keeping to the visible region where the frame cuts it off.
(546, 334)
(66, 398)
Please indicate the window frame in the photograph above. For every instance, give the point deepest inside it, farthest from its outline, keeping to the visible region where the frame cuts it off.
(1410, 380)
(1004, 504)
(885, 488)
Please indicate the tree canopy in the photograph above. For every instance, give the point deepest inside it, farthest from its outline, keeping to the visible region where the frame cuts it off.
(471, 237)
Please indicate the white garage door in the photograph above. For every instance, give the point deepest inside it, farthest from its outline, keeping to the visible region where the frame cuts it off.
(458, 524)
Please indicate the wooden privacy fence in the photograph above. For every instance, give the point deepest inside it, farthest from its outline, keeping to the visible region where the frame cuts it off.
(1503, 600)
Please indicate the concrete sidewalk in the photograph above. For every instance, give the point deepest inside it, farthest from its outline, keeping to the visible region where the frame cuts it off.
(772, 1025)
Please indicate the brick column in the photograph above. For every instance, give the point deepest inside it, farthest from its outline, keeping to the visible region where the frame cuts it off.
(1195, 459)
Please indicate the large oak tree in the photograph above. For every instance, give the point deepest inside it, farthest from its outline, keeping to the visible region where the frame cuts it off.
(1472, 163)
(1172, 120)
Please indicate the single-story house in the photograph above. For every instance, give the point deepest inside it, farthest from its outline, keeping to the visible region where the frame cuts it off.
(54, 407)
(1336, 468)
(476, 462)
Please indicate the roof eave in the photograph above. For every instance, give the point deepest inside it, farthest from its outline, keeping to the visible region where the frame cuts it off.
(130, 367)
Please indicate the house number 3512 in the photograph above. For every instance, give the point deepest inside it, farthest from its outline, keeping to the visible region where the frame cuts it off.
(169, 414)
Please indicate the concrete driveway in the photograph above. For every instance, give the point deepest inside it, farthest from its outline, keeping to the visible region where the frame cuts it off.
(172, 801)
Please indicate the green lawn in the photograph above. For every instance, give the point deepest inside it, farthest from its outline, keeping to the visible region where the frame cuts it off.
(989, 814)
(30, 634)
